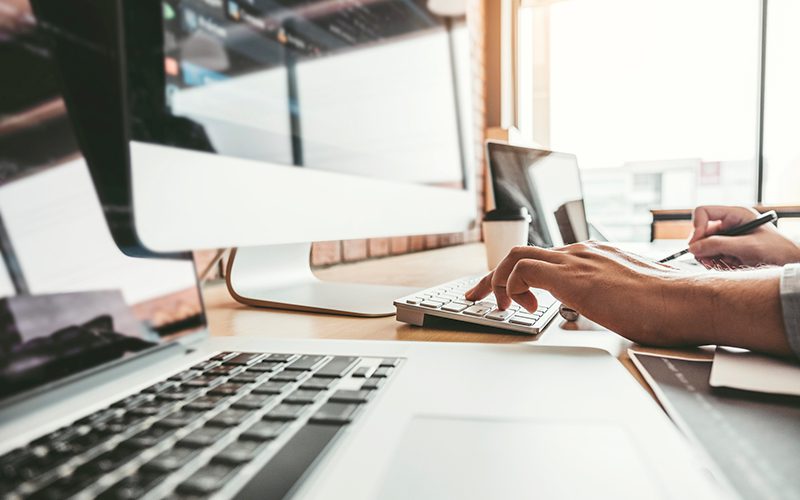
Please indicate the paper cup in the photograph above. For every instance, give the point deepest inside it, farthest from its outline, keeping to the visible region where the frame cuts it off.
(504, 229)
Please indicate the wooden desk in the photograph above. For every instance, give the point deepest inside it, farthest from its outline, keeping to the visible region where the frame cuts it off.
(423, 269)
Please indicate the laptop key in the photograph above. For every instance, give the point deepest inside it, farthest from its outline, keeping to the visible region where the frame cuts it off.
(202, 437)
(390, 362)
(334, 413)
(363, 371)
(248, 377)
(149, 437)
(208, 479)
(302, 396)
(230, 418)
(280, 357)
(244, 359)
(304, 363)
(184, 375)
(253, 401)
(318, 384)
(204, 381)
(285, 412)
(132, 487)
(178, 419)
(172, 459)
(239, 452)
(349, 396)
(226, 389)
(284, 469)
(263, 430)
(372, 384)
(264, 366)
(271, 387)
(223, 356)
(205, 403)
(382, 372)
(287, 376)
(337, 367)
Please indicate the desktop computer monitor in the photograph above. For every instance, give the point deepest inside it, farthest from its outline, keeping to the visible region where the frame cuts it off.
(267, 125)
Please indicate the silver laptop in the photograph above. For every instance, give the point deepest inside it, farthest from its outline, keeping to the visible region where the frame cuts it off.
(112, 388)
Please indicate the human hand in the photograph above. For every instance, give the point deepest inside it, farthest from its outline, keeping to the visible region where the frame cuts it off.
(603, 283)
(763, 245)
(644, 301)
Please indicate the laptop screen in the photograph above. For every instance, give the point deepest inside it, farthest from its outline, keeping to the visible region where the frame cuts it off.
(548, 184)
(70, 300)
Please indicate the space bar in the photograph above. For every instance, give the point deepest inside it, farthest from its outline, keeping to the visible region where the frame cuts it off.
(278, 476)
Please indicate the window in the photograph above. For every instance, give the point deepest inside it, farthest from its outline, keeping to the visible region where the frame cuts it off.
(659, 100)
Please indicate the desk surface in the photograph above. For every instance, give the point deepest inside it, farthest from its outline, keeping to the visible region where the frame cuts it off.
(423, 269)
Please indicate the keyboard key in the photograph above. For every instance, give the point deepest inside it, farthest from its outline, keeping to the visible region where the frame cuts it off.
(391, 362)
(477, 310)
(454, 307)
(263, 430)
(161, 386)
(382, 372)
(349, 396)
(264, 366)
(302, 396)
(133, 487)
(202, 437)
(184, 375)
(287, 376)
(205, 365)
(225, 371)
(279, 475)
(363, 371)
(271, 387)
(205, 403)
(318, 384)
(280, 357)
(239, 452)
(334, 413)
(285, 412)
(208, 479)
(244, 359)
(415, 300)
(521, 321)
(372, 384)
(178, 419)
(226, 389)
(223, 356)
(249, 377)
(304, 363)
(499, 315)
(230, 418)
(204, 381)
(433, 304)
(337, 367)
(149, 437)
(253, 401)
(172, 459)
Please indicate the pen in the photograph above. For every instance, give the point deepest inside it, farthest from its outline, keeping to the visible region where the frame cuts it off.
(762, 219)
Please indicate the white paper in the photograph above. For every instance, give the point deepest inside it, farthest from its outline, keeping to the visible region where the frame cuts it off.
(748, 371)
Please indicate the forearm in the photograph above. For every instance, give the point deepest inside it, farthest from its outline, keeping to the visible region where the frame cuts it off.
(740, 309)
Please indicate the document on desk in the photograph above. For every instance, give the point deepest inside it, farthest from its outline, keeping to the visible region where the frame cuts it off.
(753, 439)
(748, 371)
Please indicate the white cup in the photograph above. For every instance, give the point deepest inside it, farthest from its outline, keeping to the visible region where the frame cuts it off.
(504, 229)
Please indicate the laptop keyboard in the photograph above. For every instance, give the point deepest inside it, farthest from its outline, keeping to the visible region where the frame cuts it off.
(448, 301)
(193, 434)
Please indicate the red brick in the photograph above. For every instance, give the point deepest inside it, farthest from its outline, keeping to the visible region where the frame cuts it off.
(379, 247)
(354, 250)
(325, 253)
(417, 243)
(399, 245)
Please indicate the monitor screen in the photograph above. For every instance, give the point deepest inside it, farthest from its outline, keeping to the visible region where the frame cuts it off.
(360, 87)
(70, 300)
(548, 184)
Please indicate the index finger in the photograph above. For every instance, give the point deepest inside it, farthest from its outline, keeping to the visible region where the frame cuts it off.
(481, 290)
(726, 216)
(507, 265)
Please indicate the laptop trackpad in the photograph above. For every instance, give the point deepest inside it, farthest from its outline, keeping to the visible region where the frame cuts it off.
(464, 458)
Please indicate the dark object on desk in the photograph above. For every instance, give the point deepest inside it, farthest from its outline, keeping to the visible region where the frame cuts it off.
(753, 438)
(745, 228)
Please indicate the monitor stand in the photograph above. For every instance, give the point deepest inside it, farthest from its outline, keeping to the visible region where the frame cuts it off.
(280, 276)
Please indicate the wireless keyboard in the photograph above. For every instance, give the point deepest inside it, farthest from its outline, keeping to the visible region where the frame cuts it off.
(448, 301)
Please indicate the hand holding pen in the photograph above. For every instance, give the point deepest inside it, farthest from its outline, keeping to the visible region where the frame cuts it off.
(715, 240)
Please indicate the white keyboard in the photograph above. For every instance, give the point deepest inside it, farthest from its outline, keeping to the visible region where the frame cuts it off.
(448, 301)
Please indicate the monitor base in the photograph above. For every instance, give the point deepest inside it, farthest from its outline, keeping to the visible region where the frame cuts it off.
(280, 277)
